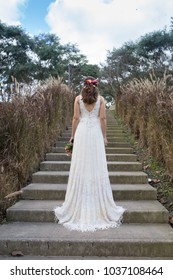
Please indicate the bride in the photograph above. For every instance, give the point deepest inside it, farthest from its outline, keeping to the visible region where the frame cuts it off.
(89, 203)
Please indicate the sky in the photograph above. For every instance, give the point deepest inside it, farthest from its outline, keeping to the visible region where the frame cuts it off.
(95, 26)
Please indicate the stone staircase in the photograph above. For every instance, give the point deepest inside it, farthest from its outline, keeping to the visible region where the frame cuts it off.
(145, 232)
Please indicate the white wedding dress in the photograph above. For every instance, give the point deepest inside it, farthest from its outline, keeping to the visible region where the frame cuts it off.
(89, 203)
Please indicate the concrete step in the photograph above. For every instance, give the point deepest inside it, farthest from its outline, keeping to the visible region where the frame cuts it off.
(35, 257)
(61, 177)
(142, 211)
(51, 239)
(109, 127)
(116, 139)
(112, 166)
(120, 192)
(119, 132)
(110, 157)
(110, 144)
(115, 134)
(109, 150)
(110, 138)
(121, 157)
(121, 144)
(113, 129)
(114, 125)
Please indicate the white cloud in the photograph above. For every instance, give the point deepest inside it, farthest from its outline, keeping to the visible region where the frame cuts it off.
(10, 11)
(99, 25)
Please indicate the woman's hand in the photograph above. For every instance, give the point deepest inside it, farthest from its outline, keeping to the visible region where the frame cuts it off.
(105, 140)
(71, 141)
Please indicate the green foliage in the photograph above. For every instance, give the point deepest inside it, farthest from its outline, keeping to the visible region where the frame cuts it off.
(39, 58)
(49, 56)
(156, 50)
(171, 27)
(122, 65)
(15, 46)
(77, 73)
(90, 70)
(153, 51)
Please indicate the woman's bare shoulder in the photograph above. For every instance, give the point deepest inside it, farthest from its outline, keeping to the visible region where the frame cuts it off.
(102, 99)
(77, 98)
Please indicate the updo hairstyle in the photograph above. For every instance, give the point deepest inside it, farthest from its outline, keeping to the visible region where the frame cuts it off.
(90, 90)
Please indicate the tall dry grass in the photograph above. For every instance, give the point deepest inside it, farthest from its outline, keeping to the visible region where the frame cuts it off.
(146, 106)
(28, 127)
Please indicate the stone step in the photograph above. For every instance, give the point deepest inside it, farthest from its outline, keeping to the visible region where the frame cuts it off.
(116, 139)
(51, 239)
(113, 124)
(55, 156)
(109, 126)
(110, 144)
(112, 166)
(110, 138)
(35, 257)
(115, 128)
(124, 144)
(109, 150)
(142, 211)
(120, 192)
(61, 177)
(109, 133)
(115, 133)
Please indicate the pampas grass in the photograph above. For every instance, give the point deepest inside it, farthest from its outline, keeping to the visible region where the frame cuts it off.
(146, 106)
(29, 125)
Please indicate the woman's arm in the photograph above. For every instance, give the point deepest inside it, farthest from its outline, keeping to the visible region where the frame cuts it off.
(75, 120)
(103, 119)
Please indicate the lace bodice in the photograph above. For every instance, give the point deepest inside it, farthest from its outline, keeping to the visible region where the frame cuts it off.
(89, 118)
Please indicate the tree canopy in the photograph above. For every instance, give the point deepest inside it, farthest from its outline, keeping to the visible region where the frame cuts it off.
(40, 57)
(151, 52)
(15, 49)
(37, 58)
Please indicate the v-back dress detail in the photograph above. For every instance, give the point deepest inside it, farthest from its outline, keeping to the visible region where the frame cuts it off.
(89, 203)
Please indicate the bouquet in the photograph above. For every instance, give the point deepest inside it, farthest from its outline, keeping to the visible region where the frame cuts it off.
(69, 149)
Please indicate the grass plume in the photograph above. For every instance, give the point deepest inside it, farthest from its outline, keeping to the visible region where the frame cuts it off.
(29, 125)
(146, 106)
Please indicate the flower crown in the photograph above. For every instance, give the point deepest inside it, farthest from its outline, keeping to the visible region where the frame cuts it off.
(89, 82)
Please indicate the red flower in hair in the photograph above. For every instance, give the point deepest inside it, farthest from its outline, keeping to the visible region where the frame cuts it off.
(94, 82)
(89, 81)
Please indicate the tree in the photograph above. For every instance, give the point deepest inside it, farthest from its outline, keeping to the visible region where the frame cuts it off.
(38, 58)
(156, 48)
(48, 58)
(80, 71)
(15, 53)
(171, 27)
(122, 64)
(153, 51)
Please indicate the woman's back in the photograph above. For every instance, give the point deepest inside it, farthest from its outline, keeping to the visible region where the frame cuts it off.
(89, 115)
